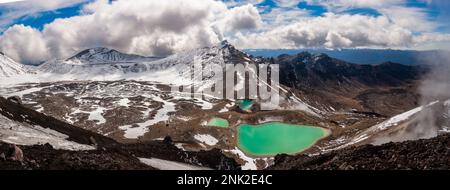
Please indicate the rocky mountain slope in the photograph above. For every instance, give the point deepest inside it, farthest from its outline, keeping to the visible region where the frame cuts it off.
(9, 67)
(102, 55)
(429, 154)
(343, 86)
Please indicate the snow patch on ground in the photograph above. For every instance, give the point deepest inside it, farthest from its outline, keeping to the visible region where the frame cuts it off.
(223, 110)
(250, 163)
(399, 118)
(183, 118)
(169, 165)
(27, 91)
(95, 115)
(24, 134)
(124, 102)
(227, 107)
(204, 104)
(206, 139)
(39, 108)
(445, 130)
(402, 117)
(139, 129)
(180, 146)
(394, 121)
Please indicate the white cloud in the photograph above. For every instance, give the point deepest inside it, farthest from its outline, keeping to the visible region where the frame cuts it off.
(153, 27)
(143, 27)
(287, 3)
(339, 5)
(245, 17)
(23, 43)
(284, 16)
(397, 27)
(233, 3)
(9, 1)
(432, 37)
(17, 9)
(414, 19)
(332, 31)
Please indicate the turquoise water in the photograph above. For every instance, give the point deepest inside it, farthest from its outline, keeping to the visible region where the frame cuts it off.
(274, 138)
(218, 122)
(245, 104)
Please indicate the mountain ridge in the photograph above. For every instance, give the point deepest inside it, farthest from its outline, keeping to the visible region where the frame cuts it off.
(103, 55)
(9, 67)
(358, 56)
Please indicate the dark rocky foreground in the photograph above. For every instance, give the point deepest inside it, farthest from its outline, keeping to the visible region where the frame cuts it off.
(44, 157)
(428, 154)
(125, 157)
(109, 155)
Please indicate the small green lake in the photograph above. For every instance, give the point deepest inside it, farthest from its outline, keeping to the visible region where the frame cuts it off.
(218, 122)
(274, 138)
(245, 104)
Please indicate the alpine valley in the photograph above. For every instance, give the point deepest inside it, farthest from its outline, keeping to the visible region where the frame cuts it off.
(104, 109)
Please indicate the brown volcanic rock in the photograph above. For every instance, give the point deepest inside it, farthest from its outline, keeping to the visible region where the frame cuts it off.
(15, 153)
(18, 112)
(159, 149)
(308, 70)
(44, 157)
(344, 86)
(427, 154)
(110, 155)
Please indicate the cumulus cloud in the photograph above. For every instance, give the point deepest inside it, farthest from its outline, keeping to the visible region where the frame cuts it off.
(284, 16)
(153, 27)
(24, 43)
(395, 10)
(244, 17)
(402, 17)
(143, 27)
(332, 31)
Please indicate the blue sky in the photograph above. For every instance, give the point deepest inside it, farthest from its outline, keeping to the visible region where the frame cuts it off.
(253, 24)
(24, 12)
(437, 10)
(38, 21)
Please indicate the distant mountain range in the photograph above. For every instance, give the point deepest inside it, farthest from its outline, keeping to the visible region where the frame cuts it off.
(357, 56)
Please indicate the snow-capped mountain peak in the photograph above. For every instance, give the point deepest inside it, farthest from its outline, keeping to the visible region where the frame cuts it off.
(107, 64)
(102, 55)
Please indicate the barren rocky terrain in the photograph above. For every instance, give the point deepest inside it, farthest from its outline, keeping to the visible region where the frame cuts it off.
(427, 154)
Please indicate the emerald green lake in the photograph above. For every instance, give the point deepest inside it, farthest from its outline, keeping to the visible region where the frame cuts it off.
(274, 138)
(245, 104)
(218, 122)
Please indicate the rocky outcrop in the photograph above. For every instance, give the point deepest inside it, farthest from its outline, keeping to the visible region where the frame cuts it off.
(44, 157)
(427, 154)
